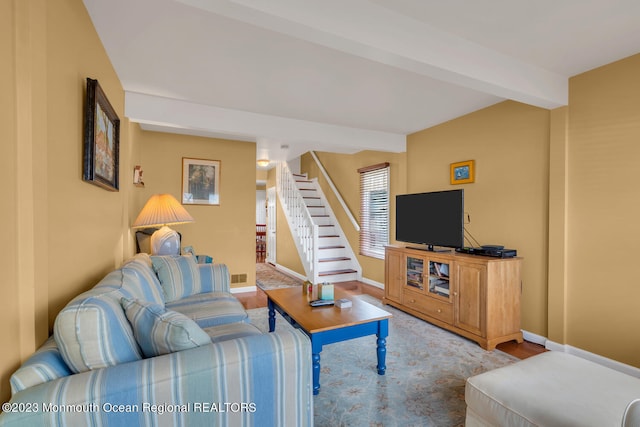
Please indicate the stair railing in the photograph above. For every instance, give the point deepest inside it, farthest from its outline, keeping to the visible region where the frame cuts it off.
(305, 232)
(336, 193)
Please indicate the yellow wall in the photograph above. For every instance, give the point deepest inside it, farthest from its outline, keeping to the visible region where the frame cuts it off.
(508, 203)
(604, 201)
(558, 206)
(559, 186)
(10, 285)
(343, 171)
(64, 234)
(262, 175)
(88, 226)
(286, 252)
(225, 232)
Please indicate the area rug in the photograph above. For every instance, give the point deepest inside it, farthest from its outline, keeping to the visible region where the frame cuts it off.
(268, 277)
(423, 385)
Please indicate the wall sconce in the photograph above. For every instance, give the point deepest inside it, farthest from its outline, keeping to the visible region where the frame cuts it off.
(137, 176)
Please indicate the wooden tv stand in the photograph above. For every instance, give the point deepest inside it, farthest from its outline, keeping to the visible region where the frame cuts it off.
(474, 296)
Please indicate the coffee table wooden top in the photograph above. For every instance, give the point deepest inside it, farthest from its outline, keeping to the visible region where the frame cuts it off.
(324, 318)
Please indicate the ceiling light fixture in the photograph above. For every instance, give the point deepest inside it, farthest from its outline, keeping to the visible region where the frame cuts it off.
(263, 162)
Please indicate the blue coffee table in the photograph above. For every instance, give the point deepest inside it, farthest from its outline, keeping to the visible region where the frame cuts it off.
(329, 324)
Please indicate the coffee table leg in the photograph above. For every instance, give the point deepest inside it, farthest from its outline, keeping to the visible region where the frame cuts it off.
(316, 373)
(383, 332)
(272, 316)
(315, 358)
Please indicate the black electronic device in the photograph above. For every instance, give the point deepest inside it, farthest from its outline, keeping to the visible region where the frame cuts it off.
(433, 219)
(492, 247)
(492, 252)
(321, 302)
(466, 250)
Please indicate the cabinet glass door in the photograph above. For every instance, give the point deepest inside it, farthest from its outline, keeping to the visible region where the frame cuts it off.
(415, 271)
(439, 279)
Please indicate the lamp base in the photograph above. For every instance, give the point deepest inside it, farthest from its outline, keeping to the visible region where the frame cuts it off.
(165, 242)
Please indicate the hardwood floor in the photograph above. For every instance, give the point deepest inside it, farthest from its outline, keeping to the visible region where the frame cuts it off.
(258, 299)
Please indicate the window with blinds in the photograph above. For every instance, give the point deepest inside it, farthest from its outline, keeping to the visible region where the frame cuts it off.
(374, 210)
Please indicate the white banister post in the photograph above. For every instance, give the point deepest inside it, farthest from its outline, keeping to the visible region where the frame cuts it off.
(314, 259)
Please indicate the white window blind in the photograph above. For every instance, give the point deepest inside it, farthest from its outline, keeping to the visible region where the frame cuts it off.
(374, 210)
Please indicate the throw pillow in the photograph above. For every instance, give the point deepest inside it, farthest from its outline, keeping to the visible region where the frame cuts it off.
(92, 331)
(161, 331)
(179, 276)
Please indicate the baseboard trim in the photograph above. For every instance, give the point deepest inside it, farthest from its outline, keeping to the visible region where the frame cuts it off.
(372, 283)
(244, 289)
(534, 338)
(584, 354)
(290, 272)
(593, 357)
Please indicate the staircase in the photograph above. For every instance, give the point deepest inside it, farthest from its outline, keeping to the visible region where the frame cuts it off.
(322, 245)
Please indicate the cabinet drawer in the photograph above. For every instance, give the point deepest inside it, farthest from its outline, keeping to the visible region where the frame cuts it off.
(432, 307)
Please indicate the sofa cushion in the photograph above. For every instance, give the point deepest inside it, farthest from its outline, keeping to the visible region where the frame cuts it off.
(160, 331)
(215, 278)
(92, 331)
(44, 365)
(211, 309)
(140, 281)
(231, 331)
(179, 276)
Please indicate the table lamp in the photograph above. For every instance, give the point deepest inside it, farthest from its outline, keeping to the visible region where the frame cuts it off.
(159, 211)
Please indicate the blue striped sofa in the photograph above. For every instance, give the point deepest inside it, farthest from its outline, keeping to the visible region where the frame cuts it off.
(108, 364)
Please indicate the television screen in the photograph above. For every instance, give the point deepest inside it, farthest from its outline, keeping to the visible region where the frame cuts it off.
(433, 219)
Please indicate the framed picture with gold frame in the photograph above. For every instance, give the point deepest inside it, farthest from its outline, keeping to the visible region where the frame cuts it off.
(101, 163)
(200, 182)
(463, 172)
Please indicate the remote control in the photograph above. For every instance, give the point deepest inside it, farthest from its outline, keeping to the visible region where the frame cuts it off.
(321, 302)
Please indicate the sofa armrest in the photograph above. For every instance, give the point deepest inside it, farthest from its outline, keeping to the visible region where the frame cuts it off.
(46, 364)
(214, 278)
(257, 380)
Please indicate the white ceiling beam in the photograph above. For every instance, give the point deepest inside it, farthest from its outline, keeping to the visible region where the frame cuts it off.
(208, 120)
(362, 28)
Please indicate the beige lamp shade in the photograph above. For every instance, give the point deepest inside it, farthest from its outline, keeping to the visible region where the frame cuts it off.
(162, 209)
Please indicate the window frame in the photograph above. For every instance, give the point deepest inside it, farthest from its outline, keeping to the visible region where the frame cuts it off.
(373, 213)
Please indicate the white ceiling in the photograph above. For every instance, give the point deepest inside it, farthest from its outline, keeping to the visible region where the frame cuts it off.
(348, 75)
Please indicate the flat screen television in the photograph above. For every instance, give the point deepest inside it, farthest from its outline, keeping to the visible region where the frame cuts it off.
(433, 219)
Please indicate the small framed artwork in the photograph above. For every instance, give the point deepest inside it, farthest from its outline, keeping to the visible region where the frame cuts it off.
(200, 182)
(463, 172)
(101, 165)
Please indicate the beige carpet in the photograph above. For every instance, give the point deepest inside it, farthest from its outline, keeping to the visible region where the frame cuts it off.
(268, 277)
